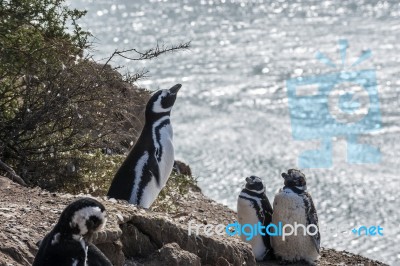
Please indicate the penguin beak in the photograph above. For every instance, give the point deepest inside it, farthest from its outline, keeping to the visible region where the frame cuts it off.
(175, 89)
(249, 180)
(284, 175)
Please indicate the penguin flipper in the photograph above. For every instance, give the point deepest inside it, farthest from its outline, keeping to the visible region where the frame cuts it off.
(41, 254)
(70, 249)
(266, 206)
(62, 254)
(96, 257)
(312, 218)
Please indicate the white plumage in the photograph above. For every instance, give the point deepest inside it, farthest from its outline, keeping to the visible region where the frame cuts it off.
(81, 216)
(289, 208)
(138, 173)
(247, 215)
(165, 164)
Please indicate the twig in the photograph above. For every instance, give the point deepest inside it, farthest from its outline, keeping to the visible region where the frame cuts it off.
(13, 174)
(132, 78)
(148, 54)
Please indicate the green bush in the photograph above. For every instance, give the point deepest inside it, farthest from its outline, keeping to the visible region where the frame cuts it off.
(95, 172)
(61, 113)
(177, 189)
(56, 106)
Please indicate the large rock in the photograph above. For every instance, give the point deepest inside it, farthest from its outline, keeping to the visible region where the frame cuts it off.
(172, 254)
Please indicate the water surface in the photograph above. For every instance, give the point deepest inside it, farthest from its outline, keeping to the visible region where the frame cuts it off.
(232, 120)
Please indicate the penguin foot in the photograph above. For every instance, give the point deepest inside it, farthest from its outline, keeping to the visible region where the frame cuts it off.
(297, 262)
(312, 263)
(269, 255)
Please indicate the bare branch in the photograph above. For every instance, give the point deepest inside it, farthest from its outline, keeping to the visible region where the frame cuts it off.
(148, 54)
(132, 78)
(13, 174)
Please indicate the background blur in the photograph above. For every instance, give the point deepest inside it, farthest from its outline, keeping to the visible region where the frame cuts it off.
(231, 119)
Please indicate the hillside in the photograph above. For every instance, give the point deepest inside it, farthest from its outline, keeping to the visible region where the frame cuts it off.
(133, 236)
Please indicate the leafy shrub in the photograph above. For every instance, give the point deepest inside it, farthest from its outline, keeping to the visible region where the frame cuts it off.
(58, 108)
(176, 189)
(94, 172)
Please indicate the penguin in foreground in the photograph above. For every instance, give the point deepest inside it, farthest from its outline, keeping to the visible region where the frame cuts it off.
(252, 207)
(293, 204)
(66, 244)
(146, 170)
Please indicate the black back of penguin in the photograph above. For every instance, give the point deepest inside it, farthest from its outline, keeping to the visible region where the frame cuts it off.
(65, 244)
(138, 170)
(253, 196)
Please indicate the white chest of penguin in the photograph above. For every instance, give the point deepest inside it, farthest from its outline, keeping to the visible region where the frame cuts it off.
(247, 214)
(164, 154)
(286, 201)
(162, 137)
(289, 208)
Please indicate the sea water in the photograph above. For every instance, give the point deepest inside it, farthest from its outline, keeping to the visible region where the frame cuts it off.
(231, 118)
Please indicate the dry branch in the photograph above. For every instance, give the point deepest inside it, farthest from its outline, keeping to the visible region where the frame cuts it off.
(12, 173)
(148, 54)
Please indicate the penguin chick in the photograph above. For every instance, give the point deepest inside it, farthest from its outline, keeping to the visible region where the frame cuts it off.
(293, 204)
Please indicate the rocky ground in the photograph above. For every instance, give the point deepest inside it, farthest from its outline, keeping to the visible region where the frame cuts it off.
(133, 236)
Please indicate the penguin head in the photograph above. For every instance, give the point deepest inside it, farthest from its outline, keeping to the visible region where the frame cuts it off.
(162, 101)
(255, 184)
(295, 178)
(82, 217)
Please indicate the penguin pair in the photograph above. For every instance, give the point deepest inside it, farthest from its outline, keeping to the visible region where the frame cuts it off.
(292, 204)
(68, 243)
(139, 180)
(146, 170)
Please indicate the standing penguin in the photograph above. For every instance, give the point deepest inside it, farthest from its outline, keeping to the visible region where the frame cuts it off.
(145, 171)
(66, 244)
(253, 207)
(293, 204)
